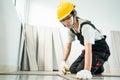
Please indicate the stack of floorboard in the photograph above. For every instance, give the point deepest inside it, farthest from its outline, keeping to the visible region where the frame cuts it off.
(43, 49)
(115, 38)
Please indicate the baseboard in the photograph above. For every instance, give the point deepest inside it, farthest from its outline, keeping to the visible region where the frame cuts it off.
(7, 68)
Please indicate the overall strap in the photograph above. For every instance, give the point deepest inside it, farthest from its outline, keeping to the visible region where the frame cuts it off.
(87, 22)
(73, 31)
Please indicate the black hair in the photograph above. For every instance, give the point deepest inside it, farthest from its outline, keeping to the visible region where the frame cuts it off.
(73, 12)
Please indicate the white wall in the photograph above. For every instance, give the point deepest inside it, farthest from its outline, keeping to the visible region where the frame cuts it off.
(9, 36)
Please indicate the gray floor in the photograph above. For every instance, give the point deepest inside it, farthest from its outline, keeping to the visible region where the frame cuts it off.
(51, 76)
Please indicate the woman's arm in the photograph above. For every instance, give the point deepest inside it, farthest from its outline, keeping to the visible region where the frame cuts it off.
(67, 51)
(88, 56)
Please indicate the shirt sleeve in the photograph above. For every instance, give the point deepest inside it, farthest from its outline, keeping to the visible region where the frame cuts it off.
(88, 33)
(70, 37)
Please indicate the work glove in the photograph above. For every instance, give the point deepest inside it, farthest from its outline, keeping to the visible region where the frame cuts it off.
(84, 74)
(63, 68)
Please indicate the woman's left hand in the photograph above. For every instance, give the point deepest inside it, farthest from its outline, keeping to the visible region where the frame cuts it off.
(84, 74)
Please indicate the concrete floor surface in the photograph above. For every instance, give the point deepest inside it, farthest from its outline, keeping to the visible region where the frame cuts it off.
(40, 75)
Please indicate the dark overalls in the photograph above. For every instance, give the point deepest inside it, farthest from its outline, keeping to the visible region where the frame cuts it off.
(100, 54)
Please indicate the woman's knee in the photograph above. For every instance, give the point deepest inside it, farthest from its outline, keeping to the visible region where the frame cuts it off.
(72, 70)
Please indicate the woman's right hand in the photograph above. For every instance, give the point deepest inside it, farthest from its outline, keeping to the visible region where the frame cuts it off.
(63, 68)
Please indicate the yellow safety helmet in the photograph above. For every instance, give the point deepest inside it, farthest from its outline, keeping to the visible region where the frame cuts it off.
(64, 9)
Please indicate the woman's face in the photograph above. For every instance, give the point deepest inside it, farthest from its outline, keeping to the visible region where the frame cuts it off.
(67, 21)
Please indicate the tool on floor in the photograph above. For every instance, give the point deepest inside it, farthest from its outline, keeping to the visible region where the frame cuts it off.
(66, 71)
